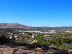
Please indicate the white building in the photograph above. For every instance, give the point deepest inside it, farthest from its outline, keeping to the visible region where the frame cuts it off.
(33, 37)
(68, 31)
(51, 31)
(10, 37)
(15, 36)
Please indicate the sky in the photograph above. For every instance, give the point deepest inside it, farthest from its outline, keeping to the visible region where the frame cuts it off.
(35, 13)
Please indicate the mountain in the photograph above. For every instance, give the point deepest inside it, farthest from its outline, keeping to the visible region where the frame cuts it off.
(13, 25)
(24, 27)
(52, 28)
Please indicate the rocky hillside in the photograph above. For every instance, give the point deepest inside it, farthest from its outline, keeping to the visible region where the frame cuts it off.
(13, 25)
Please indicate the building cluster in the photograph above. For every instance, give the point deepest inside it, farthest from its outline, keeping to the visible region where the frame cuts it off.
(49, 31)
(68, 31)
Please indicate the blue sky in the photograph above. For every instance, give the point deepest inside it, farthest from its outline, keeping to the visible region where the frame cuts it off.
(36, 12)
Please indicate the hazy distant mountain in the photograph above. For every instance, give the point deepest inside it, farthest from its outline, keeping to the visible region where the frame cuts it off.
(16, 26)
(13, 25)
(53, 28)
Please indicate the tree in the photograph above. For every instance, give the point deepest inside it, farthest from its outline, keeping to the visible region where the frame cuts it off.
(41, 40)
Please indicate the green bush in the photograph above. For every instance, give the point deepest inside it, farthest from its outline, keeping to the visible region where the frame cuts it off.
(62, 47)
(41, 40)
(50, 41)
(55, 41)
(68, 46)
(29, 33)
(65, 40)
(57, 46)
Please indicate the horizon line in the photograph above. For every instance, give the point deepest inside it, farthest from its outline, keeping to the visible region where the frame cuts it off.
(40, 26)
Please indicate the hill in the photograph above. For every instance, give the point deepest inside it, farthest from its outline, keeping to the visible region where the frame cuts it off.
(13, 25)
(24, 27)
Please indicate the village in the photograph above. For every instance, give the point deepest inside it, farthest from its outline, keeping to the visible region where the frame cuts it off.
(37, 40)
(29, 36)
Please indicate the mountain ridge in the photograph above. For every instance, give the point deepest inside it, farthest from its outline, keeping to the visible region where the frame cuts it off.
(13, 25)
(20, 26)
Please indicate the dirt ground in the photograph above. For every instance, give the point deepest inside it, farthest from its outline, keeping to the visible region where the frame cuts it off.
(24, 50)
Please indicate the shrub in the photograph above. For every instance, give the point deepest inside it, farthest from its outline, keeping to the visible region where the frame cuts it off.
(57, 46)
(68, 46)
(41, 40)
(65, 40)
(3, 39)
(62, 47)
(29, 33)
